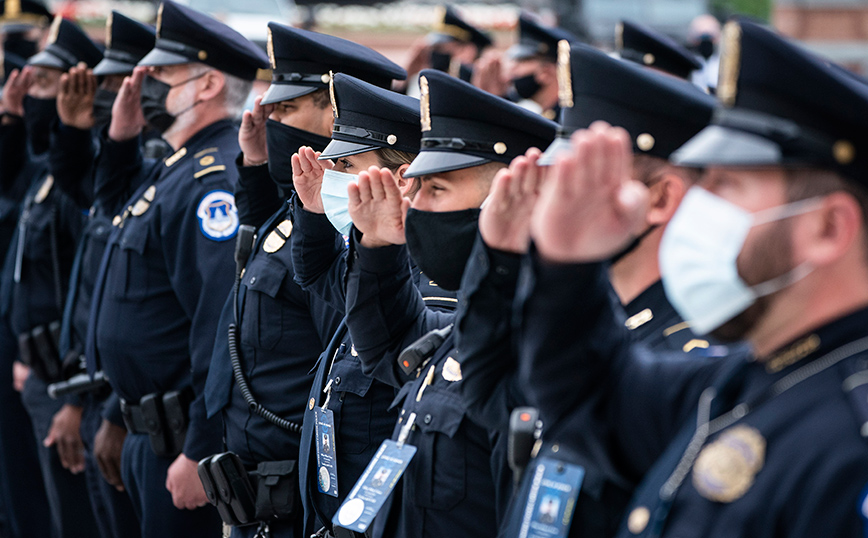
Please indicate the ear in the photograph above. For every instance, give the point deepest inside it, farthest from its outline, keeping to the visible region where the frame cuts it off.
(664, 198)
(212, 85)
(830, 233)
(404, 183)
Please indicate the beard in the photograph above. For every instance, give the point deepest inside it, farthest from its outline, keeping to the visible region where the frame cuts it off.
(770, 257)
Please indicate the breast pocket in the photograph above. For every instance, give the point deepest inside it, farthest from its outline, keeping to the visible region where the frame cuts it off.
(137, 278)
(441, 479)
(355, 411)
(262, 324)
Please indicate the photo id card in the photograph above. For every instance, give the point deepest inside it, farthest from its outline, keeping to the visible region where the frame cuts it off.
(326, 460)
(551, 499)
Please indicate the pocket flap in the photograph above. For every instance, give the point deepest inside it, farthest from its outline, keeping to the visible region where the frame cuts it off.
(349, 371)
(265, 277)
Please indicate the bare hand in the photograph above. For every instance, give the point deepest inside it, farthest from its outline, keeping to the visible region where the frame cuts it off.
(419, 54)
(184, 484)
(127, 118)
(20, 373)
(504, 222)
(15, 90)
(75, 98)
(65, 432)
(590, 207)
(488, 74)
(307, 173)
(251, 135)
(107, 447)
(377, 208)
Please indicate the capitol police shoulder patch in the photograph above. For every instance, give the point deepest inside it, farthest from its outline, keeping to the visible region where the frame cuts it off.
(218, 216)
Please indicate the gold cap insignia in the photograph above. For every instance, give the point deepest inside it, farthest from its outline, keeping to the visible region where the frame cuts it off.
(565, 78)
(332, 93)
(160, 19)
(108, 29)
(638, 519)
(425, 104)
(44, 189)
(270, 49)
(277, 238)
(54, 31)
(730, 63)
(451, 370)
(13, 9)
(726, 468)
(500, 148)
(619, 37)
(645, 142)
(843, 151)
(391, 139)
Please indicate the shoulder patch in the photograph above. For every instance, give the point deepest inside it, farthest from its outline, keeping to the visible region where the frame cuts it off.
(218, 216)
(207, 162)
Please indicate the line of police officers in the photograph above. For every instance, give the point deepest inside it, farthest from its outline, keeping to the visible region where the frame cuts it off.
(648, 319)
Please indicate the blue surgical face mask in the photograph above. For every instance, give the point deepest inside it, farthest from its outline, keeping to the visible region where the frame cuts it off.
(699, 253)
(335, 199)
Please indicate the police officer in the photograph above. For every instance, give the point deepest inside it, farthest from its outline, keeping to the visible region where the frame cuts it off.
(168, 262)
(271, 331)
(373, 127)
(34, 282)
(84, 106)
(467, 136)
(645, 46)
(771, 248)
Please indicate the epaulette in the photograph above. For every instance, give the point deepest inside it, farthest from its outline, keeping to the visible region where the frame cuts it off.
(207, 162)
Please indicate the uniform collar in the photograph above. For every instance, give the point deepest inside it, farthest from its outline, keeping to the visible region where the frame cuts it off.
(204, 135)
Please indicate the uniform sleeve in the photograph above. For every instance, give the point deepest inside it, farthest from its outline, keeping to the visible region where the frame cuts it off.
(120, 170)
(385, 311)
(256, 194)
(13, 153)
(71, 160)
(319, 256)
(111, 410)
(201, 270)
(576, 359)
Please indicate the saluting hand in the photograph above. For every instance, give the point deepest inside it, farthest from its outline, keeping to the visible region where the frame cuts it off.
(15, 90)
(75, 98)
(590, 207)
(488, 74)
(504, 222)
(184, 484)
(377, 208)
(251, 135)
(127, 118)
(307, 173)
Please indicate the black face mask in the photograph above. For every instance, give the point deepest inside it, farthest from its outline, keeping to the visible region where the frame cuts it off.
(440, 243)
(103, 101)
(440, 61)
(154, 94)
(39, 115)
(22, 47)
(526, 86)
(704, 47)
(632, 246)
(283, 141)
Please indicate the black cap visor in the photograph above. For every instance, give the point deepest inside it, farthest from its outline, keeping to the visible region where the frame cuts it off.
(107, 66)
(158, 57)
(46, 59)
(340, 148)
(435, 162)
(561, 145)
(717, 145)
(437, 38)
(284, 92)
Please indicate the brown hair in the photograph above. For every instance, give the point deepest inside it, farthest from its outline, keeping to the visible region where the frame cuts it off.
(393, 159)
(321, 98)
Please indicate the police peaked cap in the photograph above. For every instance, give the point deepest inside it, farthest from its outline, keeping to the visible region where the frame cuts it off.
(185, 35)
(536, 40)
(301, 61)
(451, 27)
(127, 42)
(660, 112)
(67, 46)
(21, 15)
(463, 126)
(782, 106)
(648, 47)
(368, 117)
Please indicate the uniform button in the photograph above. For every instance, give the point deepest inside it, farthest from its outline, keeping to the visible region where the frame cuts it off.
(427, 419)
(310, 404)
(338, 380)
(252, 279)
(638, 520)
(556, 447)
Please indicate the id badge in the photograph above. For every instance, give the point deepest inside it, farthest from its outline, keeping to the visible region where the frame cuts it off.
(374, 486)
(551, 499)
(326, 461)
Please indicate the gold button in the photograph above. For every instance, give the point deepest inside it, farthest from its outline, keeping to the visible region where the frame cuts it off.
(638, 520)
(844, 152)
(391, 139)
(648, 59)
(203, 55)
(325, 78)
(310, 404)
(645, 142)
(500, 148)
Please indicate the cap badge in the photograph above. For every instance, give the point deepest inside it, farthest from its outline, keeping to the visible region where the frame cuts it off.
(500, 148)
(13, 8)
(730, 63)
(332, 93)
(726, 468)
(270, 49)
(565, 79)
(55, 29)
(843, 151)
(645, 142)
(108, 29)
(425, 104)
(619, 37)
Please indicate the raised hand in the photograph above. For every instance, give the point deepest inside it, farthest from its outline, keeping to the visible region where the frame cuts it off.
(127, 118)
(488, 73)
(307, 173)
(590, 207)
(15, 90)
(377, 208)
(251, 135)
(75, 98)
(504, 222)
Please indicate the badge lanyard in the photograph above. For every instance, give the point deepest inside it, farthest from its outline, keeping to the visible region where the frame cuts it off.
(325, 438)
(705, 426)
